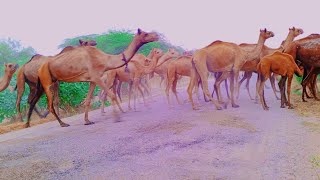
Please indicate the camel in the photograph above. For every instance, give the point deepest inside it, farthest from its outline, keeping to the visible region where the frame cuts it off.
(142, 59)
(224, 57)
(282, 64)
(176, 69)
(9, 70)
(132, 74)
(161, 70)
(28, 73)
(306, 50)
(251, 66)
(84, 64)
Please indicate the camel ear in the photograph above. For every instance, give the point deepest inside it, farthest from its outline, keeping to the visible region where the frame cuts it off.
(80, 42)
(139, 31)
(293, 28)
(265, 30)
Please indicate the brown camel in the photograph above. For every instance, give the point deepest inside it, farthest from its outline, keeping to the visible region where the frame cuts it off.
(84, 64)
(28, 73)
(9, 70)
(306, 50)
(162, 67)
(282, 64)
(131, 74)
(142, 59)
(176, 69)
(224, 57)
(251, 66)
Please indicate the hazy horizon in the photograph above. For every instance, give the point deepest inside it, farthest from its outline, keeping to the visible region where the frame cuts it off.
(195, 24)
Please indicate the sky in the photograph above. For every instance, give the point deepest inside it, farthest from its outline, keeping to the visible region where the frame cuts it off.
(44, 24)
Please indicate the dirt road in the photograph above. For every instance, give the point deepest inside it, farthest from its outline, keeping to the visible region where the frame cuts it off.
(158, 143)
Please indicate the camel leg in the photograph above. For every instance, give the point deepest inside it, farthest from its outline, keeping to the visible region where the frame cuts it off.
(20, 90)
(289, 91)
(56, 99)
(135, 93)
(174, 89)
(249, 75)
(129, 94)
(171, 76)
(193, 79)
(262, 81)
(87, 104)
(234, 87)
(314, 86)
(103, 97)
(217, 84)
(119, 90)
(203, 73)
(105, 87)
(46, 82)
(282, 84)
(305, 82)
(113, 97)
(142, 94)
(32, 104)
(272, 82)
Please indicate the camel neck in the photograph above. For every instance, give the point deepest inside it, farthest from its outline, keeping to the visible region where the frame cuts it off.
(255, 53)
(163, 59)
(287, 41)
(132, 48)
(4, 82)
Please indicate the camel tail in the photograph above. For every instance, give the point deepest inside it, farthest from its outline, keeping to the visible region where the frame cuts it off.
(297, 70)
(260, 76)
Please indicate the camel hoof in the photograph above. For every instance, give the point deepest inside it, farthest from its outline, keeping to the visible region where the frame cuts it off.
(282, 106)
(219, 108)
(27, 125)
(89, 123)
(44, 115)
(195, 108)
(304, 101)
(64, 125)
(290, 107)
(235, 106)
(278, 98)
(317, 99)
(266, 109)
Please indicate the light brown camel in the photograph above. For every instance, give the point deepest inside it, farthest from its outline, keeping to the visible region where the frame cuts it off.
(9, 70)
(224, 57)
(181, 66)
(28, 73)
(282, 64)
(84, 64)
(131, 74)
(142, 59)
(251, 66)
(162, 67)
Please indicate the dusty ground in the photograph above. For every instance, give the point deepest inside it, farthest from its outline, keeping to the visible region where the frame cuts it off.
(158, 143)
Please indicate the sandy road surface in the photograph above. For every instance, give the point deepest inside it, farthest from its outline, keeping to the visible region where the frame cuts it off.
(158, 143)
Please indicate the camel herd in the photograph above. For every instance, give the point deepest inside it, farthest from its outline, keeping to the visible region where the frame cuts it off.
(86, 63)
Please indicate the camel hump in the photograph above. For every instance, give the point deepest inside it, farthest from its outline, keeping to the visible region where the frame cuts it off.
(214, 42)
(313, 35)
(66, 49)
(34, 57)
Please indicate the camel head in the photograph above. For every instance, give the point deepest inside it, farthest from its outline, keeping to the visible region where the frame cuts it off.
(266, 34)
(295, 31)
(155, 53)
(173, 53)
(10, 68)
(87, 43)
(145, 37)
